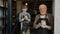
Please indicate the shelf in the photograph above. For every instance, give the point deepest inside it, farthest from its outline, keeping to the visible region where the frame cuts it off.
(2, 7)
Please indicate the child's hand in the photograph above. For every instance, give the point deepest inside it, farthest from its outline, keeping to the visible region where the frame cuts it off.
(25, 17)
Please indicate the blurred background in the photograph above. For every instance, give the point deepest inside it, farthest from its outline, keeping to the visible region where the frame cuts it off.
(9, 10)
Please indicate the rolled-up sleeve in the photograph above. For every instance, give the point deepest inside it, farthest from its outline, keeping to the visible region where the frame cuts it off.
(36, 19)
(29, 19)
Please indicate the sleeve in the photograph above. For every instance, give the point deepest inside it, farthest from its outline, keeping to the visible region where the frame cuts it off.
(29, 18)
(36, 19)
(51, 21)
(20, 18)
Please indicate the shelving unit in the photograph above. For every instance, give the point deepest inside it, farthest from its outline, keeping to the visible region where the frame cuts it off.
(2, 17)
(14, 7)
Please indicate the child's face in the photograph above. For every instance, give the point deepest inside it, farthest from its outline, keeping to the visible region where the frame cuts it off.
(24, 9)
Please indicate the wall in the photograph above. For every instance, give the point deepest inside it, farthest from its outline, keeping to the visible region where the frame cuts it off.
(19, 6)
(1, 3)
(57, 16)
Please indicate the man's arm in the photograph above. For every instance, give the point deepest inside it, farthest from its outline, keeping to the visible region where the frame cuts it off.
(36, 25)
(51, 22)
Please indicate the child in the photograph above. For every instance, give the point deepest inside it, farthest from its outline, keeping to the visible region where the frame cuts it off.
(24, 19)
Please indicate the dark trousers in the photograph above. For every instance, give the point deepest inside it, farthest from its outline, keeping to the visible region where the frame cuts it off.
(41, 31)
(24, 28)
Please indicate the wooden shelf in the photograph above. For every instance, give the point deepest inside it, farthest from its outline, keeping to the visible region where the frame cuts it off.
(14, 5)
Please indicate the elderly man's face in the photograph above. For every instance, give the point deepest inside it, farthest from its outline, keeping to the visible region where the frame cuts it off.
(43, 9)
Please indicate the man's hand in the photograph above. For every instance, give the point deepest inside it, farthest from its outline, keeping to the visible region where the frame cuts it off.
(43, 26)
(48, 27)
(38, 25)
(43, 23)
